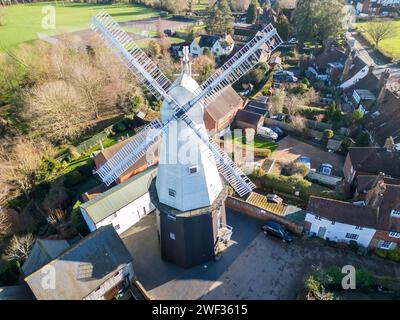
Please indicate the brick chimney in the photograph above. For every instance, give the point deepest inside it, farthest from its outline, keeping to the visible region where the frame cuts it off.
(382, 86)
(347, 65)
(375, 194)
(389, 144)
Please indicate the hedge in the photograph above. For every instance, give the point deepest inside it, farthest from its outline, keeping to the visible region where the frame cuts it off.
(288, 184)
(394, 255)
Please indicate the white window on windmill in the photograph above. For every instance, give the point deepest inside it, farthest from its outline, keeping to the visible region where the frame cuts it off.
(172, 236)
(172, 192)
(193, 169)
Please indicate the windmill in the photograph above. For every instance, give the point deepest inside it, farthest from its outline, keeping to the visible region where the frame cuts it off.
(189, 195)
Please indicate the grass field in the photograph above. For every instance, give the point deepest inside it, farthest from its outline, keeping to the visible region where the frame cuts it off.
(390, 46)
(24, 21)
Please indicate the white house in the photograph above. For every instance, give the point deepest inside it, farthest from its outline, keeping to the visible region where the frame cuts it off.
(219, 46)
(336, 231)
(123, 205)
(373, 222)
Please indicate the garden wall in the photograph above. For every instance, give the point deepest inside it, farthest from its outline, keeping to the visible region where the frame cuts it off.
(258, 213)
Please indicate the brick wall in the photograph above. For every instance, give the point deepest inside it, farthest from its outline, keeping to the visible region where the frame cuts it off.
(381, 235)
(256, 212)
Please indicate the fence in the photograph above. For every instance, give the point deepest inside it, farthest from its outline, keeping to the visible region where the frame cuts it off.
(94, 140)
(256, 212)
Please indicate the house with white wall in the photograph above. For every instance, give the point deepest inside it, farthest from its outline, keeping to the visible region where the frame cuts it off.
(123, 205)
(218, 45)
(373, 222)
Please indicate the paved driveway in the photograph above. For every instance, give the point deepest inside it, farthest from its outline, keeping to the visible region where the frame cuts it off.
(290, 149)
(254, 266)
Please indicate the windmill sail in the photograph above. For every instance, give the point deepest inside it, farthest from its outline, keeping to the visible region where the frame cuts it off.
(159, 85)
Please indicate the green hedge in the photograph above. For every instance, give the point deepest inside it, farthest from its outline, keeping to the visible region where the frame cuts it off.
(288, 184)
(394, 255)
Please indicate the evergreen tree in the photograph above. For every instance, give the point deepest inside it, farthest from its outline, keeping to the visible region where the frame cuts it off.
(283, 27)
(220, 19)
(251, 16)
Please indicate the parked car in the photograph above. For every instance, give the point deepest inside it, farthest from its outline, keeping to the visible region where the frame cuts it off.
(326, 169)
(274, 198)
(277, 230)
(267, 133)
(305, 160)
(279, 116)
(169, 32)
(278, 131)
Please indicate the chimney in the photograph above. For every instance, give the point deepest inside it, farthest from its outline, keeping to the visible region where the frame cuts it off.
(370, 69)
(382, 86)
(389, 144)
(347, 65)
(375, 194)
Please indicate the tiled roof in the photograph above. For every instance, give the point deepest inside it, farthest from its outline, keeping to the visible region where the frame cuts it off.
(375, 160)
(228, 101)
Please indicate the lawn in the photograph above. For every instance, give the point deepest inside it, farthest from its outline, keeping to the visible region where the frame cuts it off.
(258, 143)
(390, 46)
(24, 21)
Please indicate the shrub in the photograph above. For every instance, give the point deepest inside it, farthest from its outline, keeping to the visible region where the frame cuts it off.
(262, 153)
(328, 134)
(73, 178)
(394, 255)
(73, 153)
(86, 170)
(119, 127)
(381, 253)
(364, 278)
(10, 273)
(296, 168)
(296, 182)
(353, 245)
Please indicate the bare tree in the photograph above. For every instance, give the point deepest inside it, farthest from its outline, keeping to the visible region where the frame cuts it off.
(203, 66)
(19, 165)
(5, 225)
(57, 111)
(277, 101)
(293, 103)
(381, 30)
(19, 248)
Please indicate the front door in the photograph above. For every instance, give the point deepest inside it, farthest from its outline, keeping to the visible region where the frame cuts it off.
(321, 232)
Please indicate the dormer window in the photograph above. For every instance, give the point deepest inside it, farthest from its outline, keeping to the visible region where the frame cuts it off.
(172, 192)
(395, 213)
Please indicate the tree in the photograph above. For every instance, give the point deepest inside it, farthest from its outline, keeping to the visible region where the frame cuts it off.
(362, 139)
(20, 165)
(204, 67)
(282, 26)
(277, 101)
(328, 134)
(381, 30)
(251, 15)
(239, 5)
(318, 20)
(5, 225)
(19, 248)
(153, 49)
(358, 115)
(220, 19)
(293, 103)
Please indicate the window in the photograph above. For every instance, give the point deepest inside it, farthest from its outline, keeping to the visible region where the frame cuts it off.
(395, 213)
(394, 234)
(192, 170)
(385, 245)
(333, 222)
(117, 226)
(172, 236)
(359, 228)
(351, 236)
(318, 218)
(172, 192)
(171, 217)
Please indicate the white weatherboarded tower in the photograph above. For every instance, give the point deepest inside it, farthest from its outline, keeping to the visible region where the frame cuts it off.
(186, 178)
(188, 192)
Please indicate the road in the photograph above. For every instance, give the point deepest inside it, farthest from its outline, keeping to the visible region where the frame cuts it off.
(371, 57)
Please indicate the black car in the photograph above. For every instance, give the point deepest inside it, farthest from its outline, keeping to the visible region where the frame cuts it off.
(277, 230)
